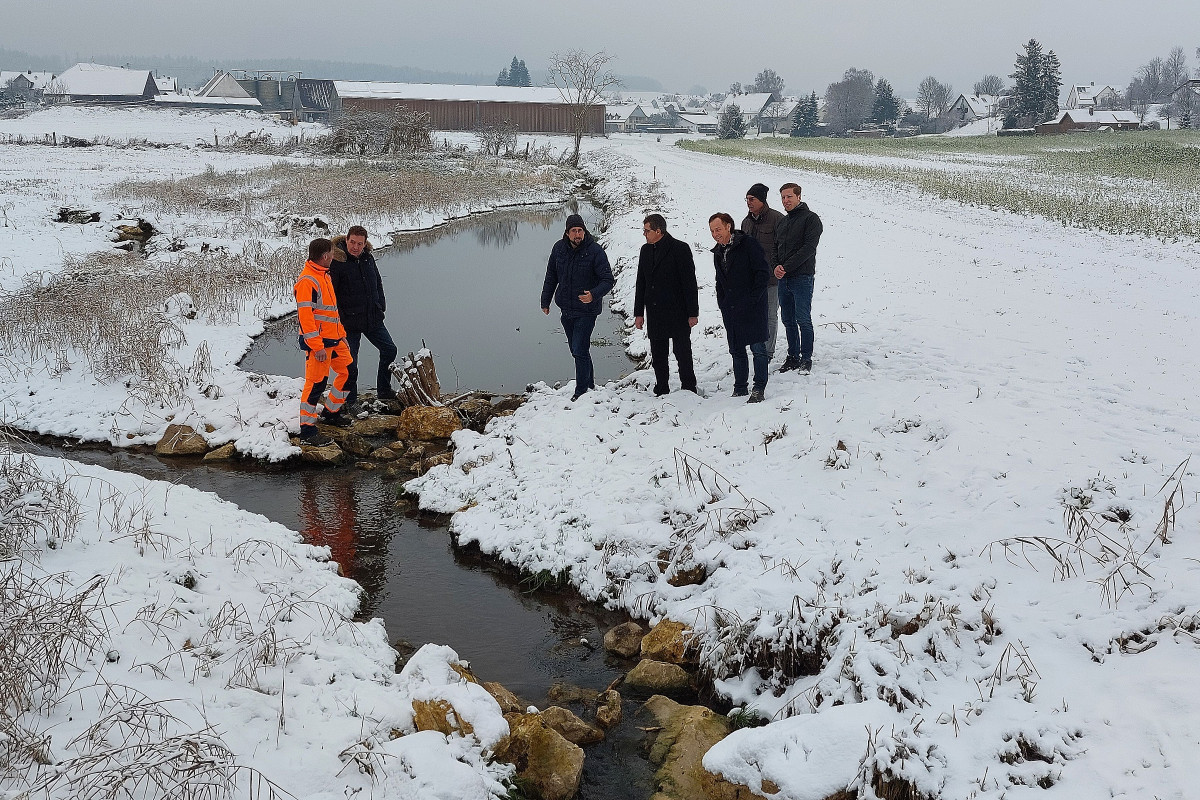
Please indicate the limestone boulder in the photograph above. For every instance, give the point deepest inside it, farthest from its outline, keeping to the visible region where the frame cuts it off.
(547, 762)
(625, 640)
(377, 425)
(572, 728)
(659, 677)
(669, 641)
(509, 703)
(384, 454)
(608, 709)
(428, 422)
(181, 440)
(328, 455)
(225, 452)
(686, 734)
(568, 693)
(439, 715)
(352, 443)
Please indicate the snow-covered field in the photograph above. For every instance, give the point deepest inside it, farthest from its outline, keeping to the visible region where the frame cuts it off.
(158, 125)
(956, 569)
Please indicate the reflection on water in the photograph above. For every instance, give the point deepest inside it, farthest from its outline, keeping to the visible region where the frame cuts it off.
(470, 291)
(426, 591)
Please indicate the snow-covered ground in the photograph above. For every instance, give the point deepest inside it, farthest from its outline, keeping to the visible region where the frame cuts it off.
(158, 125)
(990, 392)
(211, 632)
(955, 569)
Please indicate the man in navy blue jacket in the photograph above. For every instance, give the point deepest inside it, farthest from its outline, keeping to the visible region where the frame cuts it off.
(577, 277)
(361, 304)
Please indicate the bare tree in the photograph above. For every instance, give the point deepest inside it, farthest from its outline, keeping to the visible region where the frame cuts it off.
(989, 84)
(768, 82)
(581, 79)
(1175, 69)
(933, 97)
(848, 102)
(1151, 74)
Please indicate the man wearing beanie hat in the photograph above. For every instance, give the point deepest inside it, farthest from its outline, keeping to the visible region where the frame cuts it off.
(577, 277)
(760, 223)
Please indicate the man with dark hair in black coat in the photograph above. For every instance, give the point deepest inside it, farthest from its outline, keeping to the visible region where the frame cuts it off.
(666, 301)
(742, 270)
(577, 277)
(361, 304)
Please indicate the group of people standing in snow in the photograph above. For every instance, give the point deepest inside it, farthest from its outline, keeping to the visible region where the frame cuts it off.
(766, 269)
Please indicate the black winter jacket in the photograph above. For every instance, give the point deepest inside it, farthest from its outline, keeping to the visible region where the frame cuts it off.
(358, 287)
(571, 271)
(742, 289)
(764, 229)
(666, 293)
(796, 239)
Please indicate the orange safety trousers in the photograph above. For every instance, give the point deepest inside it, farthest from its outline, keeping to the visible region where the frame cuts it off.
(316, 380)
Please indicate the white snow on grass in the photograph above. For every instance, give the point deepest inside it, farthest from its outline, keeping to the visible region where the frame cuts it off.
(211, 619)
(953, 522)
(156, 125)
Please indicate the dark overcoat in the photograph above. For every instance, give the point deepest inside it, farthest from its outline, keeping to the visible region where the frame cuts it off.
(358, 287)
(666, 293)
(571, 271)
(742, 274)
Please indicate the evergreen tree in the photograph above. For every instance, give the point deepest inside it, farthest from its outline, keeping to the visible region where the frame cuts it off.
(731, 125)
(518, 74)
(1051, 84)
(886, 107)
(1029, 98)
(805, 120)
(503, 78)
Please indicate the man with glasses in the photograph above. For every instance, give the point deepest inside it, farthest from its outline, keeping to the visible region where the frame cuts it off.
(666, 302)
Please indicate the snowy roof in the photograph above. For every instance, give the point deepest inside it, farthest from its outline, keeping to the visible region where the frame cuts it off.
(99, 80)
(981, 105)
(781, 109)
(223, 85)
(699, 119)
(38, 79)
(175, 98)
(385, 90)
(166, 84)
(621, 113)
(1103, 117)
(1086, 94)
(751, 104)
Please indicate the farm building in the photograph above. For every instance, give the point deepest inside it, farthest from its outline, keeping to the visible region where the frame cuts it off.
(1073, 120)
(705, 124)
(625, 118)
(221, 93)
(1092, 96)
(98, 83)
(288, 96)
(532, 109)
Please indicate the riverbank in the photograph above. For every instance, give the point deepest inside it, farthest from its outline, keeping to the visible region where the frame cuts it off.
(956, 520)
(164, 635)
(103, 344)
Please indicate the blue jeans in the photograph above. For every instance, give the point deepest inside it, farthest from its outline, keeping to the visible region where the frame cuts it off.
(387, 354)
(741, 366)
(579, 339)
(795, 307)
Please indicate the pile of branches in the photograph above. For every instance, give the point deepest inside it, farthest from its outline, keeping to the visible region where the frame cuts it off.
(370, 133)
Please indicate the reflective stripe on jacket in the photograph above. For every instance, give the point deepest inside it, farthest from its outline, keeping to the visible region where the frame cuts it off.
(316, 305)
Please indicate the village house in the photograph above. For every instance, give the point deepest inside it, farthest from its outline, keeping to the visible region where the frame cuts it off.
(1074, 120)
(625, 118)
(532, 109)
(99, 83)
(752, 107)
(222, 92)
(777, 116)
(969, 108)
(700, 123)
(1092, 96)
(24, 87)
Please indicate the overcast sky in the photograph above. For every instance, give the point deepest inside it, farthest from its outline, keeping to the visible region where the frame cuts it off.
(679, 43)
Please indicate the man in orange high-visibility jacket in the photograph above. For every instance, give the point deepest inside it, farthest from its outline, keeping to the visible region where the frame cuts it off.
(323, 339)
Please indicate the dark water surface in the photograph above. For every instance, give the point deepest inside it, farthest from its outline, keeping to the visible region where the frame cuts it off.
(470, 290)
(426, 591)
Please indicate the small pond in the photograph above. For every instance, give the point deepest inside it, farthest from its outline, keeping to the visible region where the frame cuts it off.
(470, 291)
